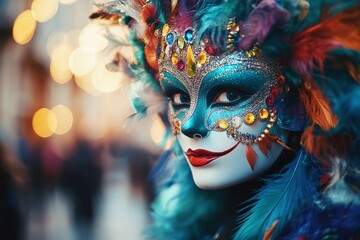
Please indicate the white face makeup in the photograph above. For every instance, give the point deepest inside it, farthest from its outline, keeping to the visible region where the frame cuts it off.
(228, 168)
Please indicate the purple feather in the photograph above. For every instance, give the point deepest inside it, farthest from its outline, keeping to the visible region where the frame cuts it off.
(261, 20)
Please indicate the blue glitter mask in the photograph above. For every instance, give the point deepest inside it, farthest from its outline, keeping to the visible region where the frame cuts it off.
(230, 90)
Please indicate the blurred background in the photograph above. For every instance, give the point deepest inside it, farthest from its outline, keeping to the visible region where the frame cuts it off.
(72, 166)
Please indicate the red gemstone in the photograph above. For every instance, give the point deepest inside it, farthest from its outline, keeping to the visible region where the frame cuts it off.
(274, 90)
(210, 50)
(270, 100)
(180, 65)
(273, 110)
(281, 80)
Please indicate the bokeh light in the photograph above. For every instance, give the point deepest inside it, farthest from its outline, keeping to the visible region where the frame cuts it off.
(59, 68)
(105, 81)
(60, 76)
(44, 122)
(44, 10)
(64, 118)
(82, 61)
(92, 37)
(157, 130)
(67, 1)
(84, 82)
(24, 27)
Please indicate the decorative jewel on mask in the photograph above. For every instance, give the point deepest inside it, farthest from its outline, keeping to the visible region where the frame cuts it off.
(189, 35)
(210, 50)
(180, 65)
(165, 30)
(180, 42)
(174, 58)
(236, 122)
(222, 125)
(263, 114)
(190, 62)
(176, 126)
(233, 35)
(201, 59)
(250, 118)
(253, 52)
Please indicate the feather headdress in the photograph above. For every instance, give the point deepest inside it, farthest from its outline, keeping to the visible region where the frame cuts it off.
(318, 46)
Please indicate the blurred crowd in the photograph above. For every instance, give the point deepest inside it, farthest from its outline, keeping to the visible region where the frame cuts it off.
(32, 175)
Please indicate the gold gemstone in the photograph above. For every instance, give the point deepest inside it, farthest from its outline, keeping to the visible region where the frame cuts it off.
(264, 114)
(190, 62)
(174, 58)
(180, 42)
(201, 59)
(249, 118)
(250, 53)
(165, 30)
(222, 125)
(176, 126)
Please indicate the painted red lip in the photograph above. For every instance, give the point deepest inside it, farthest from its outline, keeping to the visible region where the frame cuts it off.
(201, 157)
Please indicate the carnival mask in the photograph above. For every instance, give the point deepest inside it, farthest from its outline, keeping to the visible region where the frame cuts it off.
(222, 108)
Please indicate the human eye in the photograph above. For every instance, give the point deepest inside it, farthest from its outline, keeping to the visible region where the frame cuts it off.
(228, 97)
(180, 99)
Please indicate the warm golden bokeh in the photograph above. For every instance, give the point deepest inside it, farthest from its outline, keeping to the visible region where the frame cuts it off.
(93, 38)
(59, 67)
(44, 123)
(82, 61)
(67, 1)
(105, 81)
(64, 118)
(44, 10)
(24, 27)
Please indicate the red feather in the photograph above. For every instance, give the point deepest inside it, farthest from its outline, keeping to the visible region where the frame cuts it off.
(265, 145)
(311, 46)
(251, 156)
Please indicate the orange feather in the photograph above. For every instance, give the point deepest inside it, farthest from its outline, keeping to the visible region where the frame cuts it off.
(251, 156)
(111, 17)
(150, 54)
(323, 147)
(317, 106)
(278, 140)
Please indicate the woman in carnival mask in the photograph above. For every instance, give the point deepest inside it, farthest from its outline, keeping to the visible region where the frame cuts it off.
(263, 103)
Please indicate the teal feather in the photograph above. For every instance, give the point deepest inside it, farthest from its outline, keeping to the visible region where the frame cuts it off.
(213, 16)
(282, 197)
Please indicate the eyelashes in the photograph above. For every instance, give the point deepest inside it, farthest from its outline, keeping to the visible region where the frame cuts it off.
(221, 98)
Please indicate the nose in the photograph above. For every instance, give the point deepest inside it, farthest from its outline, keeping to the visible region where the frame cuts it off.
(194, 127)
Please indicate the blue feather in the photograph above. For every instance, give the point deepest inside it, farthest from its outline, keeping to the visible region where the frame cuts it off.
(283, 196)
(326, 221)
(212, 16)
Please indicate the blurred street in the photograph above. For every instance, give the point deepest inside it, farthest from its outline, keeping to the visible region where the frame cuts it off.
(122, 213)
